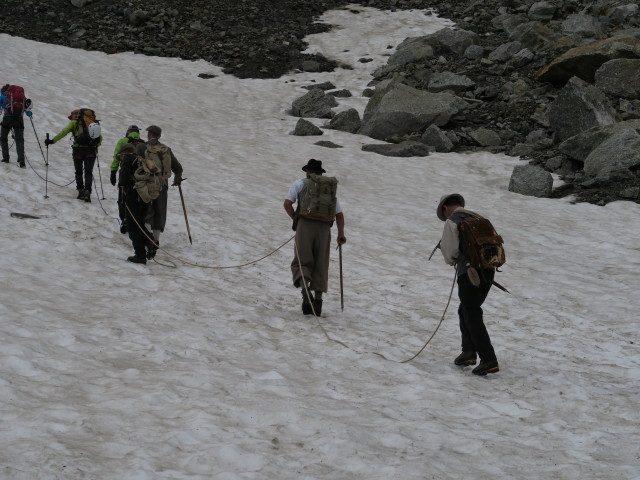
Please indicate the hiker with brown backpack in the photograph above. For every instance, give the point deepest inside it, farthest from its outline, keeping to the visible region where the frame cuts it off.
(13, 104)
(317, 209)
(167, 164)
(87, 137)
(470, 243)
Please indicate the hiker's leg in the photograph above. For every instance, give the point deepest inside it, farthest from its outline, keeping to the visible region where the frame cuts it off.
(303, 248)
(4, 142)
(136, 212)
(321, 254)
(471, 299)
(18, 135)
(78, 164)
(89, 162)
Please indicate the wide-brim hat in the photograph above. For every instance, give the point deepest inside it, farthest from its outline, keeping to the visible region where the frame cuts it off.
(314, 165)
(154, 130)
(459, 198)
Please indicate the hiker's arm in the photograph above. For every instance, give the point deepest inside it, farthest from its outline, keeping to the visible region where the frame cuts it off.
(176, 168)
(288, 207)
(450, 243)
(340, 224)
(65, 131)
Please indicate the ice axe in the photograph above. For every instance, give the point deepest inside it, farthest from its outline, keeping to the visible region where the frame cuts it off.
(184, 209)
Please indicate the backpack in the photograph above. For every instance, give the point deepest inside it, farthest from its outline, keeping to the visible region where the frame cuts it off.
(15, 100)
(88, 131)
(161, 158)
(319, 199)
(481, 242)
(148, 179)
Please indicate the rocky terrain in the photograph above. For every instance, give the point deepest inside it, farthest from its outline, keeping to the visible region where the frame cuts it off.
(525, 78)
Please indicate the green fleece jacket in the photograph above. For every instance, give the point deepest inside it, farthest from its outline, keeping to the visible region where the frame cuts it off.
(115, 164)
(71, 128)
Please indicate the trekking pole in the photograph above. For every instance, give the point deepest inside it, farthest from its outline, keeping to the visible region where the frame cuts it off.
(341, 283)
(434, 251)
(100, 175)
(38, 140)
(46, 169)
(184, 209)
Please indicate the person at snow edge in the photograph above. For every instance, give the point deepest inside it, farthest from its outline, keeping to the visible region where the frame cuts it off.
(13, 121)
(313, 244)
(84, 156)
(475, 338)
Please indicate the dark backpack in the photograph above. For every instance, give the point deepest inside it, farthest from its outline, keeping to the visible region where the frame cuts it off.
(319, 199)
(480, 241)
(88, 130)
(15, 100)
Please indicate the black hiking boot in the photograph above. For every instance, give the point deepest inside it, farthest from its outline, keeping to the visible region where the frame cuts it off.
(123, 227)
(5, 160)
(86, 196)
(80, 194)
(467, 357)
(307, 300)
(152, 250)
(135, 259)
(22, 165)
(317, 306)
(486, 367)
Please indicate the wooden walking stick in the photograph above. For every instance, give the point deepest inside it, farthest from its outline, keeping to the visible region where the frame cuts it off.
(184, 209)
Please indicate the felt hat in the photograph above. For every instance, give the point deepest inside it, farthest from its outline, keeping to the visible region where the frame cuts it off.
(314, 165)
(154, 130)
(451, 196)
(127, 148)
(133, 128)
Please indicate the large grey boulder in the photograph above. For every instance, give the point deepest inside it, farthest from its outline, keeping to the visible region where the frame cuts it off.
(442, 81)
(403, 149)
(541, 11)
(314, 104)
(620, 78)
(452, 41)
(534, 35)
(581, 145)
(437, 139)
(347, 121)
(582, 25)
(531, 181)
(505, 51)
(579, 107)
(397, 109)
(584, 61)
(485, 137)
(304, 128)
(620, 150)
(412, 50)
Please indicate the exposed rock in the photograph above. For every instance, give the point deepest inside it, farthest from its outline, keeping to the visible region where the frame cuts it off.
(305, 128)
(347, 121)
(619, 78)
(622, 149)
(403, 149)
(314, 104)
(531, 180)
(436, 138)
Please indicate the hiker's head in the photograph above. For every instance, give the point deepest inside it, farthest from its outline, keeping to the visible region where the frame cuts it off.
(4, 88)
(126, 148)
(448, 203)
(314, 166)
(132, 128)
(154, 131)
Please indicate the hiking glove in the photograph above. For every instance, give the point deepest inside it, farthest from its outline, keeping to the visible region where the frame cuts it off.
(177, 181)
(48, 142)
(113, 177)
(29, 113)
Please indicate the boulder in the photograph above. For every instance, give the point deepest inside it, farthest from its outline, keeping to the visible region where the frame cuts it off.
(579, 107)
(347, 121)
(305, 128)
(620, 150)
(584, 61)
(582, 25)
(505, 51)
(397, 109)
(531, 181)
(402, 149)
(619, 78)
(581, 145)
(485, 137)
(314, 104)
(441, 81)
(533, 35)
(541, 11)
(436, 138)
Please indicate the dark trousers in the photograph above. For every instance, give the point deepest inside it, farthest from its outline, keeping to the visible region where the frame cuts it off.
(474, 333)
(83, 161)
(17, 125)
(136, 211)
(122, 209)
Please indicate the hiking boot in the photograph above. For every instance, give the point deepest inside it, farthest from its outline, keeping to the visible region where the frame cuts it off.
(5, 160)
(467, 357)
(151, 252)
(22, 165)
(123, 227)
(80, 194)
(135, 259)
(317, 306)
(486, 367)
(86, 196)
(307, 299)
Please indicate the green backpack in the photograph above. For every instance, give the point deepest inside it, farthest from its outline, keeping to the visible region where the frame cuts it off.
(148, 178)
(319, 198)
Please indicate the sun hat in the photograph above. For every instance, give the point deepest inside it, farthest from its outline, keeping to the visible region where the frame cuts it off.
(314, 165)
(459, 198)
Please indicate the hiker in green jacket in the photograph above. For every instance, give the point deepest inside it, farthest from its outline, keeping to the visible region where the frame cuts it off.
(86, 140)
(132, 136)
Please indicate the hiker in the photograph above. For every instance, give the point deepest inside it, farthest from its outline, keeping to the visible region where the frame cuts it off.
(475, 338)
(86, 139)
(135, 208)
(13, 104)
(132, 136)
(157, 212)
(310, 265)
